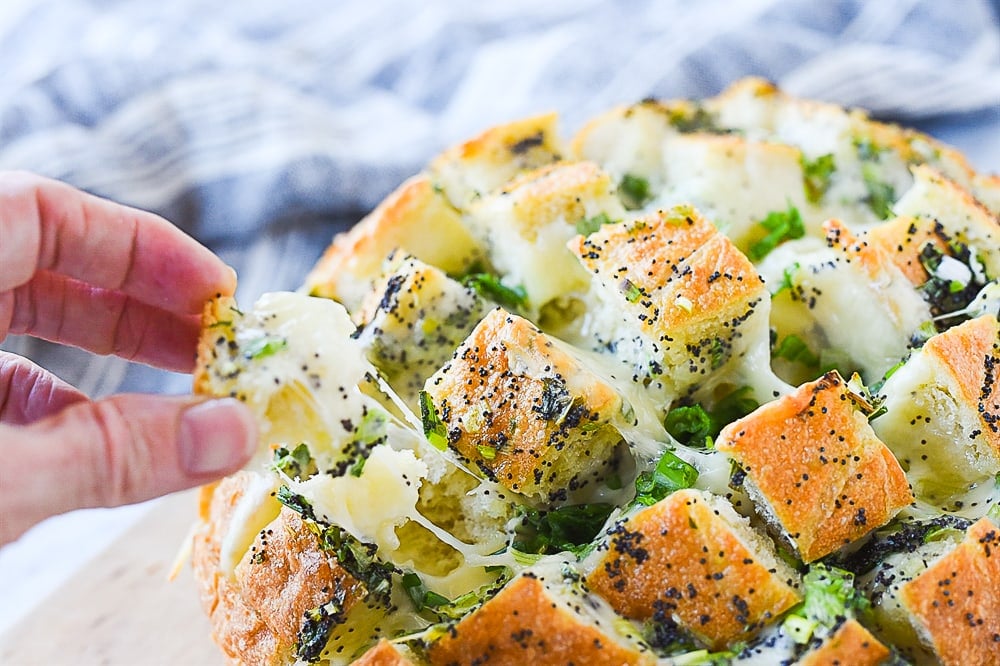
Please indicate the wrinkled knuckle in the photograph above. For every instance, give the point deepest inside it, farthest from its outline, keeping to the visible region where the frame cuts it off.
(122, 466)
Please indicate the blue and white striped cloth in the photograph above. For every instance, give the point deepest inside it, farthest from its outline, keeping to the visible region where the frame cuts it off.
(262, 127)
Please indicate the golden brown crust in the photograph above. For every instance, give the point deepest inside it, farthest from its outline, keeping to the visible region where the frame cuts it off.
(214, 326)
(685, 271)
(383, 653)
(680, 559)
(237, 628)
(415, 217)
(523, 625)
(286, 573)
(478, 166)
(514, 403)
(970, 353)
(818, 465)
(553, 192)
(901, 240)
(850, 645)
(956, 601)
(257, 613)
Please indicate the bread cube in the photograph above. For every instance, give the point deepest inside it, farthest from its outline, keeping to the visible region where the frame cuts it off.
(539, 620)
(673, 297)
(526, 225)
(845, 296)
(850, 645)
(415, 218)
(524, 411)
(476, 167)
(955, 603)
(690, 560)
(942, 406)
(385, 653)
(815, 468)
(412, 322)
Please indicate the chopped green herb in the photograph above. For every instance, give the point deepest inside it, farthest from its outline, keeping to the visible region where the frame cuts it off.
(489, 286)
(487, 452)
(634, 191)
(816, 176)
(419, 594)
(881, 195)
(370, 433)
(787, 279)
(793, 348)
(359, 559)
(631, 291)
(670, 474)
(690, 425)
(780, 226)
(567, 528)
(696, 427)
(697, 120)
(295, 502)
(263, 347)
(589, 225)
(434, 428)
(295, 464)
(317, 626)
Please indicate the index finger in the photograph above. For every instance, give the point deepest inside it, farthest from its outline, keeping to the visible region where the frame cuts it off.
(48, 225)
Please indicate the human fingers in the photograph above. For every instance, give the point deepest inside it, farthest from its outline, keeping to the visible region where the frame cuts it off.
(68, 311)
(120, 450)
(48, 225)
(29, 393)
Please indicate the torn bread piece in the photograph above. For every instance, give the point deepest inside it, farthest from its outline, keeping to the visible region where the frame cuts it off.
(942, 411)
(673, 298)
(955, 603)
(287, 596)
(418, 219)
(480, 165)
(815, 468)
(526, 224)
(524, 411)
(690, 564)
(412, 321)
(540, 618)
(850, 645)
(841, 303)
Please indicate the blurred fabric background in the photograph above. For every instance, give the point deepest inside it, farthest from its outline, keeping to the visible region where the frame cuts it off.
(263, 127)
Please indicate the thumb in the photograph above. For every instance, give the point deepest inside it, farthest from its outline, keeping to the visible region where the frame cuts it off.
(119, 450)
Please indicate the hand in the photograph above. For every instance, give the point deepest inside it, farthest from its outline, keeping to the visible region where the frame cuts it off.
(87, 272)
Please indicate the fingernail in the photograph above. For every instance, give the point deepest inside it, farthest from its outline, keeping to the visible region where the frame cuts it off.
(216, 437)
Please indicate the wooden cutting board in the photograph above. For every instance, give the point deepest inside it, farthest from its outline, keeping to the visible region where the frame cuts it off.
(120, 608)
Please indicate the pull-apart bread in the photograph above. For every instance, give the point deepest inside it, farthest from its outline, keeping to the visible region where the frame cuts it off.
(709, 382)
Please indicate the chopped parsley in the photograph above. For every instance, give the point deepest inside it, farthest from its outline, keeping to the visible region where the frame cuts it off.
(490, 287)
(696, 427)
(670, 474)
(793, 348)
(830, 598)
(263, 347)
(434, 428)
(816, 176)
(567, 528)
(780, 227)
(634, 191)
(295, 464)
(317, 625)
(589, 225)
(630, 290)
(881, 194)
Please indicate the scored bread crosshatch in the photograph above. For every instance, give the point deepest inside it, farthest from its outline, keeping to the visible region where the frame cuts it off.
(713, 381)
